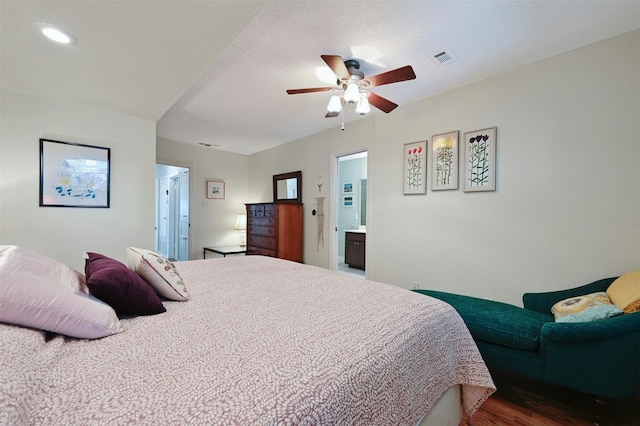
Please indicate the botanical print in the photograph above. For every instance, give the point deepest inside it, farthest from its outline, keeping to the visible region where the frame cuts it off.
(215, 190)
(415, 166)
(480, 149)
(445, 161)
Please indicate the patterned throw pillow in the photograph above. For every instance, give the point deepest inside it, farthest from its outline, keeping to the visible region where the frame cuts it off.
(591, 307)
(158, 271)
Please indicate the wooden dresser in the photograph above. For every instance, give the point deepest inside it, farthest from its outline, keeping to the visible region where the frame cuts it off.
(275, 229)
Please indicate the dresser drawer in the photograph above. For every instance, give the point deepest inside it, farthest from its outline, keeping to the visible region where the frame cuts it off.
(256, 211)
(260, 251)
(356, 236)
(265, 231)
(260, 241)
(270, 211)
(261, 221)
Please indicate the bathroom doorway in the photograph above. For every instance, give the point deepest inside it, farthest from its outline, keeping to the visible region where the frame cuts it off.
(172, 212)
(351, 213)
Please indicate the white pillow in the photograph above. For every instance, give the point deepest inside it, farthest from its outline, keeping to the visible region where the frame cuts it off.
(158, 271)
(39, 292)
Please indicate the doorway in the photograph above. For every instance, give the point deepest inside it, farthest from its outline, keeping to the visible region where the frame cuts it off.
(172, 212)
(351, 213)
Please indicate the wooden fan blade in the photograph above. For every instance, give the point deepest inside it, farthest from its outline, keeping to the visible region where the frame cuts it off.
(337, 65)
(381, 103)
(393, 76)
(310, 90)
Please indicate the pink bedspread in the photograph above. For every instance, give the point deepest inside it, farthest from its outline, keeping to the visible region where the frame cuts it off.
(262, 341)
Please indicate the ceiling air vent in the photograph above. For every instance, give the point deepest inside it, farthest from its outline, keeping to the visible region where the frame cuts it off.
(208, 145)
(443, 57)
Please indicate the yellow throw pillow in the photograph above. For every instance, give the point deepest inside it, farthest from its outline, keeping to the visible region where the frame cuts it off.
(625, 292)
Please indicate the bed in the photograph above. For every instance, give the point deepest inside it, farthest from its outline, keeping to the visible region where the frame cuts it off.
(260, 341)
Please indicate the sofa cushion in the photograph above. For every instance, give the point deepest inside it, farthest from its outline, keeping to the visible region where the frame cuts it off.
(496, 322)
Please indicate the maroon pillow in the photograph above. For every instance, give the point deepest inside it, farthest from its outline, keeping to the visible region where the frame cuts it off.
(112, 282)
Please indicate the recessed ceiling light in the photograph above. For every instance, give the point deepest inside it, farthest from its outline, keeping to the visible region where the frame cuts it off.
(54, 33)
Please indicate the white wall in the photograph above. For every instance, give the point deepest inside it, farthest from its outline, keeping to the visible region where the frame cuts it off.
(212, 221)
(65, 233)
(566, 209)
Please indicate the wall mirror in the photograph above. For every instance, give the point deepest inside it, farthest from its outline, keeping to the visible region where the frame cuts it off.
(287, 187)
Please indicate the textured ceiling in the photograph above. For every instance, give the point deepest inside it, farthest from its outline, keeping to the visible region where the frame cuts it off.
(216, 71)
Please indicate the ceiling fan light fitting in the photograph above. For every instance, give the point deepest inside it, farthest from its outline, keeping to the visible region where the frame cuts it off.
(353, 88)
(363, 106)
(352, 94)
(335, 105)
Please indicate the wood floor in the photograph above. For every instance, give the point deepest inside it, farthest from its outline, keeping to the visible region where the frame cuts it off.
(520, 401)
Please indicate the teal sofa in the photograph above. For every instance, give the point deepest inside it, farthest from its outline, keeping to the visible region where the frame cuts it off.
(601, 358)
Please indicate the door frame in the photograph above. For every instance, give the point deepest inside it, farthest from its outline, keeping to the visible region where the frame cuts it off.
(190, 201)
(334, 201)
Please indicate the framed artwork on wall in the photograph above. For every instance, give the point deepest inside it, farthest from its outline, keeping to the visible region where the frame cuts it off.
(480, 160)
(347, 201)
(74, 175)
(415, 168)
(444, 161)
(215, 190)
(347, 188)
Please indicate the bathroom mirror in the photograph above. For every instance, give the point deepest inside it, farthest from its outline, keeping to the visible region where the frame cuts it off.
(287, 187)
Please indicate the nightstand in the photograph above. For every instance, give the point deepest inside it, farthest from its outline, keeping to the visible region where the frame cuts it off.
(224, 250)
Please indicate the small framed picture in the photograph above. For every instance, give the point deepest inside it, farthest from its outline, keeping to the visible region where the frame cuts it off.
(347, 201)
(347, 188)
(215, 190)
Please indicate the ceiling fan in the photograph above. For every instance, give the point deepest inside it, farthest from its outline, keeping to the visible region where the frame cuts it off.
(354, 87)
